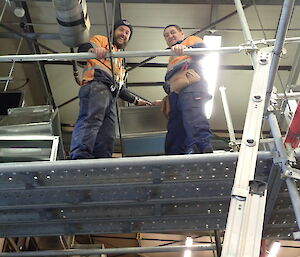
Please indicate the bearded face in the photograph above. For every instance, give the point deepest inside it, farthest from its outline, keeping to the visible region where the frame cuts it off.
(121, 36)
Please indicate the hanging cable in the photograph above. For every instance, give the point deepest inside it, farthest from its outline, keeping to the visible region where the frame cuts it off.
(110, 37)
(112, 21)
(259, 19)
(75, 69)
(20, 87)
(12, 66)
(109, 42)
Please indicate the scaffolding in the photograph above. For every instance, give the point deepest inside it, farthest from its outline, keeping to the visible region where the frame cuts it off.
(167, 193)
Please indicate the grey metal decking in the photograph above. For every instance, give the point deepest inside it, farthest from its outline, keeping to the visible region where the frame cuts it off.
(122, 195)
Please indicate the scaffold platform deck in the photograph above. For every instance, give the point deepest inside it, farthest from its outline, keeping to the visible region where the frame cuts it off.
(122, 195)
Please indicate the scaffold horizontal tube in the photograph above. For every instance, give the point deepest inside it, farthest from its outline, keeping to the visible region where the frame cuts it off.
(78, 56)
(286, 40)
(124, 54)
(289, 96)
(118, 162)
(88, 252)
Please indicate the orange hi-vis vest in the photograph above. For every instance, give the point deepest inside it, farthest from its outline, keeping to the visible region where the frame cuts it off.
(180, 60)
(103, 64)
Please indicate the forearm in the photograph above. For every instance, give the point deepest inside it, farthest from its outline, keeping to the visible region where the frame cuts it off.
(126, 96)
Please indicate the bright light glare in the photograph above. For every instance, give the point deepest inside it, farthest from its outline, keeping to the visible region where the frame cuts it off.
(210, 68)
(274, 249)
(188, 242)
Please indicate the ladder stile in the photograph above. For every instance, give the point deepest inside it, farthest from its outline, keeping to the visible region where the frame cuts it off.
(242, 231)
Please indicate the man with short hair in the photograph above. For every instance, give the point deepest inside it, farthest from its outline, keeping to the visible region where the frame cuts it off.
(188, 127)
(94, 131)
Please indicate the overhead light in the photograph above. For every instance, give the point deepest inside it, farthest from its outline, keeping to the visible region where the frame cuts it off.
(19, 12)
(188, 242)
(274, 249)
(211, 68)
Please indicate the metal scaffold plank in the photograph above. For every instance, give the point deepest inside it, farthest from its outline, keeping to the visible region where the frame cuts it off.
(139, 194)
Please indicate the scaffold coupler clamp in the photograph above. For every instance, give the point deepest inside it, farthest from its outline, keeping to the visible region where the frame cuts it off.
(280, 53)
(288, 161)
(273, 102)
(261, 42)
(291, 154)
(249, 47)
(234, 146)
(292, 173)
(276, 157)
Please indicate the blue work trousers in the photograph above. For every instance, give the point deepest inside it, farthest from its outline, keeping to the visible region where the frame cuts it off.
(188, 127)
(94, 131)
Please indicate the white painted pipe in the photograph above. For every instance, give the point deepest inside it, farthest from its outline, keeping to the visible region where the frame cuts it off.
(73, 21)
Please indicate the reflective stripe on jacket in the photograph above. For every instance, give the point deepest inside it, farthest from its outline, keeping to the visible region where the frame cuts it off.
(103, 64)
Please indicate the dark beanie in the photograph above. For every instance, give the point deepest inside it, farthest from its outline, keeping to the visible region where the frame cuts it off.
(124, 23)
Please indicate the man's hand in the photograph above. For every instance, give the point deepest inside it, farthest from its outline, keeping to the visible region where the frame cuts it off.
(178, 49)
(99, 51)
(157, 102)
(141, 102)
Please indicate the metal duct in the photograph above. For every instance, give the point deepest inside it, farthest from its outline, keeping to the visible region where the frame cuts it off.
(73, 21)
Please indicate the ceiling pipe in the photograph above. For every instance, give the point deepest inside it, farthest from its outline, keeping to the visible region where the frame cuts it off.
(73, 21)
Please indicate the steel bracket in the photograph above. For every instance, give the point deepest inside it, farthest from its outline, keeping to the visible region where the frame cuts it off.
(292, 173)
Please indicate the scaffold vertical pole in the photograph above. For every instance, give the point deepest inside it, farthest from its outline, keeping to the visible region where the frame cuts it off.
(283, 25)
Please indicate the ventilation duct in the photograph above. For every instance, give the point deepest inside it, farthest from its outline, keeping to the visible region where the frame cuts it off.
(73, 21)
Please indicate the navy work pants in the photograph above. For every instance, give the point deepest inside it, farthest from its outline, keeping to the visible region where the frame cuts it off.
(94, 131)
(188, 127)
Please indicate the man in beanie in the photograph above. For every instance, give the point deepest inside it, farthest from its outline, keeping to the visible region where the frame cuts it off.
(94, 131)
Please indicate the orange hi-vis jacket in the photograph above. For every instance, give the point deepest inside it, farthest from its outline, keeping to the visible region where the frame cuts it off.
(176, 62)
(103, 64)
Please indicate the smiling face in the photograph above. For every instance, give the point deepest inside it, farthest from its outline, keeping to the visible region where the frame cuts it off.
(172, 35)
(121, 36)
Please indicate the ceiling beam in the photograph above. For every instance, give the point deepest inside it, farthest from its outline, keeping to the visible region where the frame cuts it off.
(35, 36)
